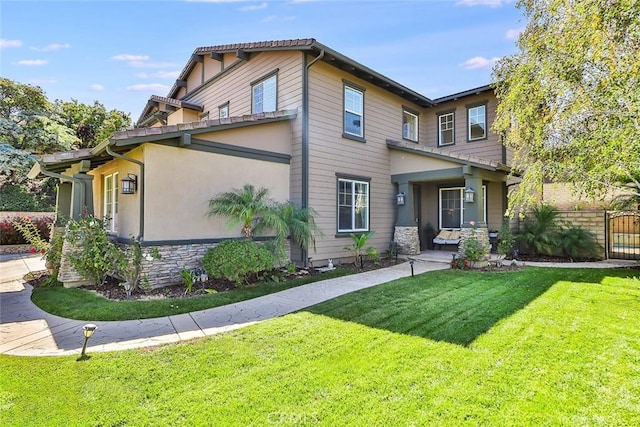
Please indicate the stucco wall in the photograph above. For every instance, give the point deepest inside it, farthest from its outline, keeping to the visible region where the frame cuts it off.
(180, 183)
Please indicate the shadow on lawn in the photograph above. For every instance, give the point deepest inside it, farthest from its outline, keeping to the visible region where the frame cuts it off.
(450, 306)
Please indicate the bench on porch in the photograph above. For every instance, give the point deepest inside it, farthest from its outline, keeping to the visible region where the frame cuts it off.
(447, 237)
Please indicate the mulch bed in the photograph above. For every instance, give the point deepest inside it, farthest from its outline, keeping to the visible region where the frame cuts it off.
(112, 289)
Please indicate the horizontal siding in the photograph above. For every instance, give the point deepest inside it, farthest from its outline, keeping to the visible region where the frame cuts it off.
(330, 154)
(235, 86)
(489, 148)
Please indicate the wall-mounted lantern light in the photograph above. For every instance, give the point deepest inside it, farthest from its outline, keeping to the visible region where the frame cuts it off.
(400, 199)
(469, 195)
(129, 184)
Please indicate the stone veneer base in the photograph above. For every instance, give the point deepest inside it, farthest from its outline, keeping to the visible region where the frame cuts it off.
(407, 239)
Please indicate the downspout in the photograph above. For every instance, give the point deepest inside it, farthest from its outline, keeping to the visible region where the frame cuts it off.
(61, 177)
(305, 138)
(140, 183)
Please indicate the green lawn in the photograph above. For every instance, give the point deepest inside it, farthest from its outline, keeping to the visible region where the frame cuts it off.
(535, 347)
(81, 304)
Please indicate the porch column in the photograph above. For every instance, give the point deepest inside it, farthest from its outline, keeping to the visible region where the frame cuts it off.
(63, 201)
(406, 235)
(82, 195)
(474, 211)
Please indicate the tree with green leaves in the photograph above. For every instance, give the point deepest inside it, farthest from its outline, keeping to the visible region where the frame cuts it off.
(569, 101)
(91, 124)
(28, 122)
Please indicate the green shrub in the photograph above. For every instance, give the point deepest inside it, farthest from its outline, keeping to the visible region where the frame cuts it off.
(577, 243)
(13, 234)
(96, 256)
(16, 198)
(540, 231)
(236, 260)
(506, 240)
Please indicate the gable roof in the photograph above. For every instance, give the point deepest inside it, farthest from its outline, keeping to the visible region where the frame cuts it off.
(123, 141)
(309, 45)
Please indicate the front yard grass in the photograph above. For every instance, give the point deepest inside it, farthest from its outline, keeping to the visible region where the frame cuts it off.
(532, 347)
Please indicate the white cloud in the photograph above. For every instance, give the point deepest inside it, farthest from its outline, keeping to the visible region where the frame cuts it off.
(10, 43)
(32, 62)
(150, 64)
(251, 8)
(97, 86)
(478, 62)
(167, 74)
(513, 33)
(159, 75)
(490, 3)
(276, 18)
(153, 87)
(52, 47)
(216, 1)
(129, 57)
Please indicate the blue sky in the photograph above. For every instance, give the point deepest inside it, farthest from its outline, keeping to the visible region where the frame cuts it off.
(121, 52)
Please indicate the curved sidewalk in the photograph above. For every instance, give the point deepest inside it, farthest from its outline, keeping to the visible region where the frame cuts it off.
(25, 330)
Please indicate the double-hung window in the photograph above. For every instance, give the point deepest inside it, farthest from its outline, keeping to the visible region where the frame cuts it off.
(223, 111)
(409, 125)
(111, 201)
(477, 122)
(353, 111)
(264, 95)
(446, 123)
(353, 205)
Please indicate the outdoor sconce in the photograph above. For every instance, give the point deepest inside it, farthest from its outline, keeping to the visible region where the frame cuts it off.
(87, 331)
(400, 199)
(129, 184)
(469, 195)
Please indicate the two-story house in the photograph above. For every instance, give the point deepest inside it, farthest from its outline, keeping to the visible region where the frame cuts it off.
(314, 127)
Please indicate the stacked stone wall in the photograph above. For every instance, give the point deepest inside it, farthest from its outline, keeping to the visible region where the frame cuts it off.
(481, 234)
(408, 240)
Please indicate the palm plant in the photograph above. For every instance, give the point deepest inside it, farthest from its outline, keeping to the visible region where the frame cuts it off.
(252, 208)
(245, 207)
(540, 233)
(297, 223)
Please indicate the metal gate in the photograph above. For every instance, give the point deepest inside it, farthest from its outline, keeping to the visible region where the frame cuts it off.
(623, 234)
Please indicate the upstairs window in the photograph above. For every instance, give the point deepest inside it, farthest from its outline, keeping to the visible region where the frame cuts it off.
(446, 123)
(264, 95)
(409, 125)
(477, 128)
(223, 111)
(353, 111)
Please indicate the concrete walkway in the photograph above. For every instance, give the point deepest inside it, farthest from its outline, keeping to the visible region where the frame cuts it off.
(25, 330)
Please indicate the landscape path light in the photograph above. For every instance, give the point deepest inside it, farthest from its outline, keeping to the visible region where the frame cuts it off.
(87, 331)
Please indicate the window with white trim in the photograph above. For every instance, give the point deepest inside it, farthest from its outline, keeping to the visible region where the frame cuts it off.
(353, 111)
(446, 126)
(353, 205)
(264, 95)
(111, 201)
(223, 111)
(409, 126)
(477, 126)
(452, 207)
